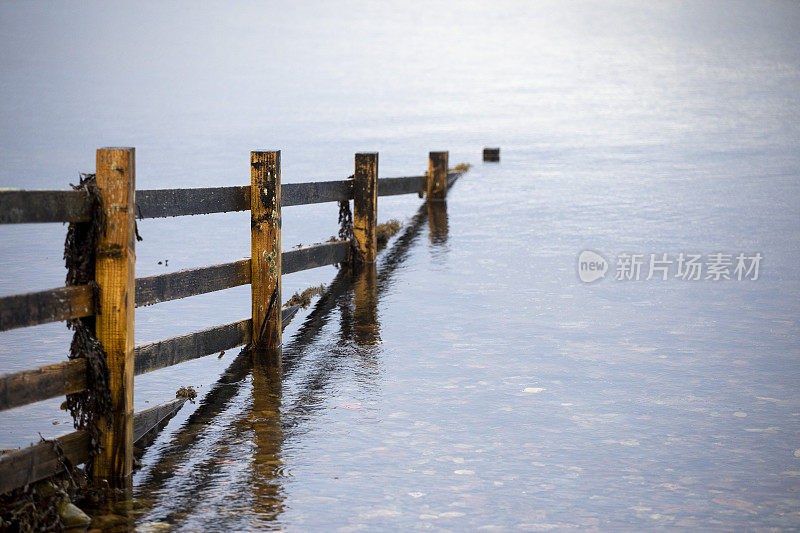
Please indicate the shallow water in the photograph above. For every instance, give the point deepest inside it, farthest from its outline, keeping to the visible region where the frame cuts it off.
(472, 380)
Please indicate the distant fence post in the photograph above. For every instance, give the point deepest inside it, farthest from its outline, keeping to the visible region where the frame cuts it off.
(491, 154)
(265, 256)
(365, 205)
(437, 175)
(114, 274)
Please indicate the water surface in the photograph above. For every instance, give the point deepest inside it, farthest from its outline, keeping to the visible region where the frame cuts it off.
(471, 381)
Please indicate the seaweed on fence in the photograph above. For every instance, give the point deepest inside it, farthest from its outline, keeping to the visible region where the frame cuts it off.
(386, 231)
(44, 505)
(346, 234)
(89, 406)
(303, 299)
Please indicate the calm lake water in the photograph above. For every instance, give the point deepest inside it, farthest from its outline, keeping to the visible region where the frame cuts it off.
(471, 381)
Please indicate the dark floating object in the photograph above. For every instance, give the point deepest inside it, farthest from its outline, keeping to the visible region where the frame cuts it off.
(491, 154)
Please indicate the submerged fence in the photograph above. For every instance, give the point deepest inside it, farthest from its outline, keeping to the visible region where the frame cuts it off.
(112, 296)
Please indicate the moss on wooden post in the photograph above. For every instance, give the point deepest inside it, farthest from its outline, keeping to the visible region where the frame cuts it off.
(114, 274)
(437, 175)
(365, 205)
(265, 258)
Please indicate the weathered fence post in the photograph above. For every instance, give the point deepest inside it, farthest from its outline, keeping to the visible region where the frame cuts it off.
(365, 205)
(114, 274)
(437, 175)
(265, 257)
(491, 154)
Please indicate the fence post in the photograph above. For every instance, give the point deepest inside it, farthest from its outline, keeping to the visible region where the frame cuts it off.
(265, 257)
(114, 274)
(437, 175)
(365, 205)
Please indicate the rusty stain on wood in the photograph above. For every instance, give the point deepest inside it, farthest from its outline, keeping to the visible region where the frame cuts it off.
(114, 274)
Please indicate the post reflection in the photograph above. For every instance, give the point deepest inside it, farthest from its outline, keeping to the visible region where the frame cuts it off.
(267, 467)
(365, 320)
(437, 222)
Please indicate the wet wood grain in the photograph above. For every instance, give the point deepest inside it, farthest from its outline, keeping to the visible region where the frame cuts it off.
(160, 203)
(17, 207)
(437, 176)
(41, 460)
(53, 305)
(114, 273)
(402, 185)
(265, 255)
(43, 383)
(147, 419)
(175, 285)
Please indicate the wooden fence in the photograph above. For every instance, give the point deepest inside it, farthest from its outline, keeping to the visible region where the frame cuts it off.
(119, 292)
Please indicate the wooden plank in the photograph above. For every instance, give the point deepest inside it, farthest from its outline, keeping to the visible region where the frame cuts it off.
(365, 205)
(316, 192)
(287, 314)
(265, 256)
(73, 206)
(145, 420)
(34, 308)
(41, 460)
(452, 177)
(43, 383)
(114, 273)
(169, 352)
(329, 253)
(165, 287)
(403, 185)
(437, 176)
(160, 203)
(18, 207)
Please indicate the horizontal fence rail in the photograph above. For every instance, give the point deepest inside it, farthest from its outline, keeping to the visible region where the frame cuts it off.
(169, 352)
(316, 192)
(162, 203)
(73, 206)
(43, 383)
(114, 292)
(54, 305)
(314, 256)
(34, 463)
(145, 420)
(184, 283)
(176, 350)
(18, 207)
(395, 186)
(37, 462)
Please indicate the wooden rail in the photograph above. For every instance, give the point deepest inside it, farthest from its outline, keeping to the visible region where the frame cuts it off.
(115, 293)
(54, 305)
(18, 207)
